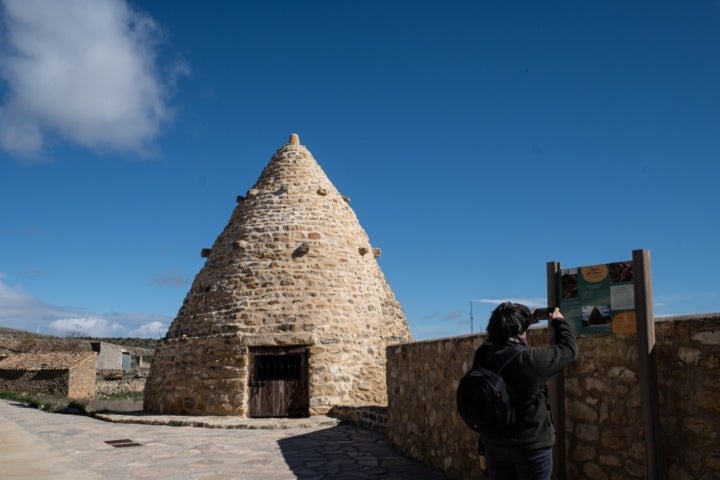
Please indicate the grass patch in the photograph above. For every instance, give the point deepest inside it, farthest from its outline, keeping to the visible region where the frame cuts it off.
(41, 401)
(122, 396)
(123, 402)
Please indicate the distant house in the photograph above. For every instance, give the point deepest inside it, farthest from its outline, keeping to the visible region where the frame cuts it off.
(141, 358)
(113, 358)
(71, 374)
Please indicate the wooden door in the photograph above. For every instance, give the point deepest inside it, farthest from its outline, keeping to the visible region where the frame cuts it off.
(278, 382)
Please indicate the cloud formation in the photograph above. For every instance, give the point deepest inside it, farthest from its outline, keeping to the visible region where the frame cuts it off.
(22, 311)
(529, 302)
(15, 305)
(86, 327)
(83, 71)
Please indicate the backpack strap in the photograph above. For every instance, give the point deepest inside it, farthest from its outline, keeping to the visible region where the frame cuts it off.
(486, 358)
(509, 355)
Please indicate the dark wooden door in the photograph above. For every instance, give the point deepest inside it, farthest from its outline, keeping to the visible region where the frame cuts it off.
(278, 382)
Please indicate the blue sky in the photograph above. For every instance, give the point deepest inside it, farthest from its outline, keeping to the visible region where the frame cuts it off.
(478, 140)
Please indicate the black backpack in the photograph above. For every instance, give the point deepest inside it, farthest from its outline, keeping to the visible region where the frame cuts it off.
(483, 399)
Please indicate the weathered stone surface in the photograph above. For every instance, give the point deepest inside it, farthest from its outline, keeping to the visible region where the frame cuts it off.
(708, 338)
(609, 460)
(689, 355)
(584, 453)
(582, 411)
(121, 387)
(586, 432)
(593, 471)
(289, 269)
(676, 473)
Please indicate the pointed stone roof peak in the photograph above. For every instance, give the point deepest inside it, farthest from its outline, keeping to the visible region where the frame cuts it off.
(294, 139)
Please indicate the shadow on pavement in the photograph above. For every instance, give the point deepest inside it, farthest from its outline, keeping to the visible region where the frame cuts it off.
(350, 452)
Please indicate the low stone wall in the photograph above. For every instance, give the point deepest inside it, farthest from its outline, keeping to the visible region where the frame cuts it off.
(372, 417)
(603, 411)
(688, 354)
(119, 387)
(422, 419)
(54, 382)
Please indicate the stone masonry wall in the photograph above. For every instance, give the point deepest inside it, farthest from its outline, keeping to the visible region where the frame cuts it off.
(119, 387)
(689, 353)
(184, 387)
(603, 410)
(81, 379)
(35, 381)
(372, 417)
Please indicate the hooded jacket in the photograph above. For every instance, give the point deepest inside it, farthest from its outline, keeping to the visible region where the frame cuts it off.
(525, 377)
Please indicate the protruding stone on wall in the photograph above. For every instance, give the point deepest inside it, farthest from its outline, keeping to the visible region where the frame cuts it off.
(301, 250)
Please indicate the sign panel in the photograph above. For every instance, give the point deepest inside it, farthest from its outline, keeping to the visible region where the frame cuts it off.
(599, 298)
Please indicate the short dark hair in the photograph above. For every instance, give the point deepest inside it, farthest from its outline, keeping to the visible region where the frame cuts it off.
(508, 320)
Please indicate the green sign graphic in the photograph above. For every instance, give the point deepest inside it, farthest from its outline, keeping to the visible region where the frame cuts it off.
(599, 298)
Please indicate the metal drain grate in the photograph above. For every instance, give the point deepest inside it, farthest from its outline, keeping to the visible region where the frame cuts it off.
(126, 442)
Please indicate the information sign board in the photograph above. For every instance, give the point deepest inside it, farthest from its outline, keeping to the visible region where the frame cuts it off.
(599, 298)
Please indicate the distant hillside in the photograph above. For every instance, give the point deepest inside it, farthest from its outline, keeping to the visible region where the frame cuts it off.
(22, 341)
(11, 333)
(149, 343)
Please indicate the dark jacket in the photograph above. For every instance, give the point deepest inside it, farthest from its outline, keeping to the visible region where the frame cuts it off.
(526, 375)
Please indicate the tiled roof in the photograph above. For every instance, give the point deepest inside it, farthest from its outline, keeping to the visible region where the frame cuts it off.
(44, 361)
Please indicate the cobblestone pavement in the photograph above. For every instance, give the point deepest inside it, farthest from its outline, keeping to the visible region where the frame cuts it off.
(43, 446)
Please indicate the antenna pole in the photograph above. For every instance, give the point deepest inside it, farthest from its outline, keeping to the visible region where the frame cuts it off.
(471, 318)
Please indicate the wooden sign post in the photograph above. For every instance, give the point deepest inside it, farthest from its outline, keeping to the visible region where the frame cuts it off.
(646, 364)
(556, 385)
(611, 298)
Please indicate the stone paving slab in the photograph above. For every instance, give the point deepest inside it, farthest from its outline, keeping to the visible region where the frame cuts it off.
(46, 446)
(24, 455)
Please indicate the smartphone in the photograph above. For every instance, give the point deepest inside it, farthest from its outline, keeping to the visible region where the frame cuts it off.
(542, 314)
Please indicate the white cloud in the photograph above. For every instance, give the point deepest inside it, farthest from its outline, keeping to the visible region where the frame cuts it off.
(149, 330)
(85, 71)
(22, 311)
(86, 327)
(529, 302)
(15, 305)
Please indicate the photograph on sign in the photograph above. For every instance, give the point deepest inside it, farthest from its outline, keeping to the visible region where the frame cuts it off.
(599, 298)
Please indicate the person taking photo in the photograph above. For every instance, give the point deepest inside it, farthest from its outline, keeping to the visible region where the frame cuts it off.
(524, 450)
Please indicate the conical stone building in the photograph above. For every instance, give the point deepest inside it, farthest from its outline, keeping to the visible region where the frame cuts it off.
(289, 316)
